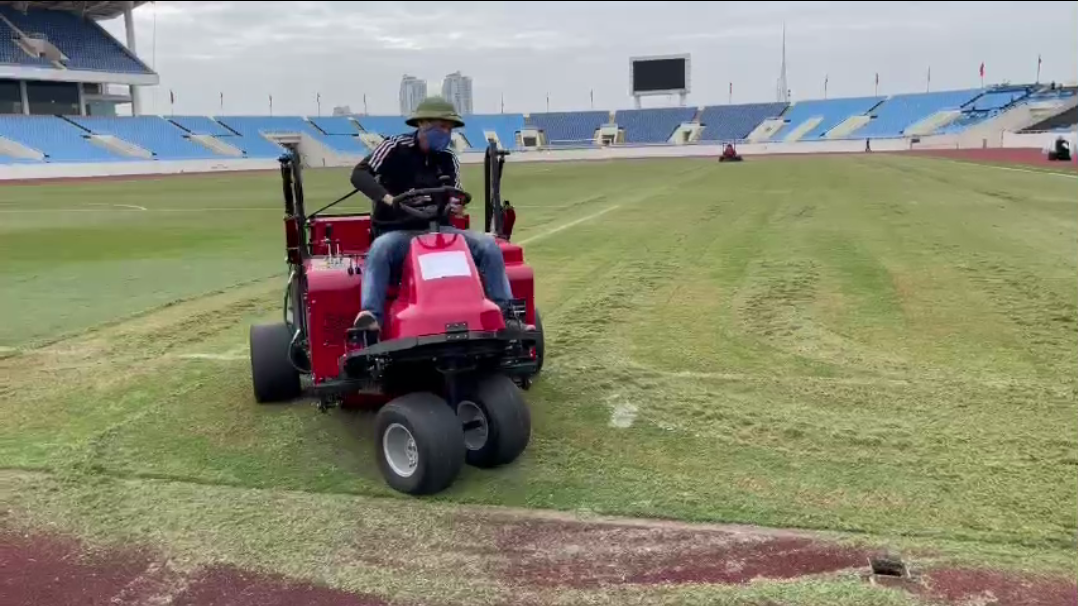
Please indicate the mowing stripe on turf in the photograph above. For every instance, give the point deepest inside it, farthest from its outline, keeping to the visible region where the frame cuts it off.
(551, 232)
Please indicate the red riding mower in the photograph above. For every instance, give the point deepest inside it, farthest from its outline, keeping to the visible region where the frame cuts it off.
(445, 370)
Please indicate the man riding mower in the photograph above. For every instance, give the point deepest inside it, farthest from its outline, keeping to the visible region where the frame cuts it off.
(419, 160)
(729, 154)
(446, 367)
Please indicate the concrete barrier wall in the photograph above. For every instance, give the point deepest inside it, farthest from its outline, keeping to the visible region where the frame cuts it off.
(329, 159)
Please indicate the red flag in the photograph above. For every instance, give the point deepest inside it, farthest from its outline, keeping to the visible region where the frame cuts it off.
(171, 97)
(982, 69)
(877, 77)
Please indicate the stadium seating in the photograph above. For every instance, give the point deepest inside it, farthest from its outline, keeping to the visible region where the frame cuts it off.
(250, 128)
(335, 125)
(201, 125)
(893, 116)
(654, 125)
(83, 41)
(993, 100)
(58, 139)
(152, 133)
(570, 128)
(735, 122)
(831, 112)
(505, 125)
(387, 126)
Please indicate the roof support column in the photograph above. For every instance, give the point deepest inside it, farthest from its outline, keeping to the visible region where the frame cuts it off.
(129, 28)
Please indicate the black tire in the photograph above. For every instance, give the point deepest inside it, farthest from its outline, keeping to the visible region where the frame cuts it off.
(506, 418)
(540, 345)
(438, 442)
(272, 374)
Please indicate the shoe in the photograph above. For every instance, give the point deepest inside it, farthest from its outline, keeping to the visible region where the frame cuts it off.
(366, 321)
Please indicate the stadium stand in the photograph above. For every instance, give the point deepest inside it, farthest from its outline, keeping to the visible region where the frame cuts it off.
(570, 128)
(335, 125)
(201, 125)
(58, 139)
(86, 45)
(735, 122)
(997, 99)
(831, 113)
(505, 125)
(387, 126)
(251, 129)
(894, 115)
(152, 133)
(652, 125)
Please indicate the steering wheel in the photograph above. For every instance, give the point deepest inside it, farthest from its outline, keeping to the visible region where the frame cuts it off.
(431, 202)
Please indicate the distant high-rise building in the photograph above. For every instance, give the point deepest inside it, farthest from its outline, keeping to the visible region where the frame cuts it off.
(342, 110)
(413, 91)
(457, 89)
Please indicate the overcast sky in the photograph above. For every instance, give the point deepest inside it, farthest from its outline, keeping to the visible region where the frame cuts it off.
(343, 50)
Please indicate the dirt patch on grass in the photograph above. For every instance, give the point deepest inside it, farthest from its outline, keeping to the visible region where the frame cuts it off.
(45, 570)
(582, 555)
(969, 587)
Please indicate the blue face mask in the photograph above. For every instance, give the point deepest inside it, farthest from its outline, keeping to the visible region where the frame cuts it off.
(437, 139)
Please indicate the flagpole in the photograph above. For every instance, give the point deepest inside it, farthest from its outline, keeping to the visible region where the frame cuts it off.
(730, 101)
(1038, 81)
(825, 79)
(928, 80)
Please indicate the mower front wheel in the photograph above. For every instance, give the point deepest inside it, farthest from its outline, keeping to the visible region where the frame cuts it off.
(273, 376)
(496, 422)
(420, 445)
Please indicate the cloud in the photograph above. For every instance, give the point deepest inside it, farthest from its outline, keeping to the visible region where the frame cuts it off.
(522, 50)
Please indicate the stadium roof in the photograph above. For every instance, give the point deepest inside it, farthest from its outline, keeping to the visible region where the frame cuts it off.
(94, 10)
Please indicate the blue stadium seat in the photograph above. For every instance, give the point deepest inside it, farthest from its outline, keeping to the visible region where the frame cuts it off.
(570, 128)
(58, 139)
(152, 133)
(250, 129)
(505, 125)
(897, 113)
(346, 144)
(255, 145)
(832, 111)
(654, 125)
(335, 125)
(201, 125)
(735, 122)
(996, 99)
(387, 126)
(86, 44)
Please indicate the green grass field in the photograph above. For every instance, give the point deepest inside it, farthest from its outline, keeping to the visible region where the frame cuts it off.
(880, 346)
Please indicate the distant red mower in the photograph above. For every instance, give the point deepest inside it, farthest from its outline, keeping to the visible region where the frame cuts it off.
(445, 370)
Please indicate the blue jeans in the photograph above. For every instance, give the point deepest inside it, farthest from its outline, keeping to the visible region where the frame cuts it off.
(390, 249)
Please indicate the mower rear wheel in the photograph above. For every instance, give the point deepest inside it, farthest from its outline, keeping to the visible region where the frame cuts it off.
(420, 443)
(496, 422)
(274, 377)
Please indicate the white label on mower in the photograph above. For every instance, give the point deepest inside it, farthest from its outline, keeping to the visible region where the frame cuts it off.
(450, 264)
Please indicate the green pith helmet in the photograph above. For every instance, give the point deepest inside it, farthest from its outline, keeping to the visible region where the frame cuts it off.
(435, 108)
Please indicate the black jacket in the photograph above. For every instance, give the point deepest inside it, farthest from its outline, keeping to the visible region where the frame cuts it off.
(397, 165)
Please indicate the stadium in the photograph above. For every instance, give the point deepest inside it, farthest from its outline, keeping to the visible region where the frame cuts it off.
(841, 372)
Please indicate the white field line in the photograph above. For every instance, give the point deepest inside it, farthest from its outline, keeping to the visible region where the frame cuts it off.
(568, 225)
(623, 415)
(222, 357)
(1012, 168)
(131, 206)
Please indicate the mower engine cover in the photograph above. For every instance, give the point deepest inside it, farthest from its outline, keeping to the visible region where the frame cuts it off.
(440, 291)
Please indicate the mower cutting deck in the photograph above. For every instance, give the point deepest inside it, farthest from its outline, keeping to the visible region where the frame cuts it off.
(445, 370)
